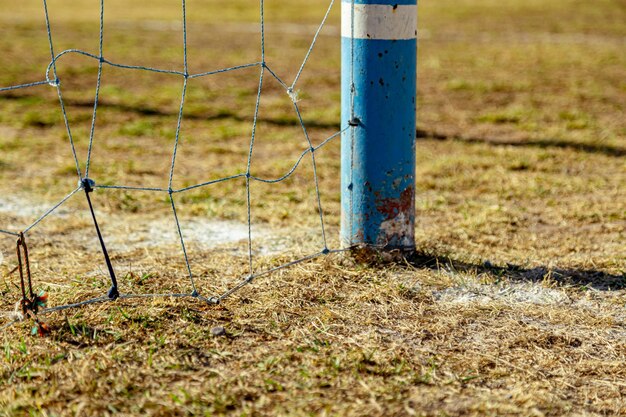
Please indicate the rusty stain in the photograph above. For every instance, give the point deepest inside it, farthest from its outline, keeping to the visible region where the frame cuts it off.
(392, 207)
(397, 229)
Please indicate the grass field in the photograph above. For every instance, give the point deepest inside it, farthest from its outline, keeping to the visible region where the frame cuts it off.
(513, 304)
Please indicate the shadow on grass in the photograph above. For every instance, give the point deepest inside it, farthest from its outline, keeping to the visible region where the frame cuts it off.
(221, 114)
(597, 280)
(290, 121)
(286, 121)
(535, 143)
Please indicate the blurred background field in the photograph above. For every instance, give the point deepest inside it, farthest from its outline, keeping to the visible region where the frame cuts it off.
(513, 304)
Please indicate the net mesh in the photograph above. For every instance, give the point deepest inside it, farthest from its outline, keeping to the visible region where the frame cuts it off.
(86, 186)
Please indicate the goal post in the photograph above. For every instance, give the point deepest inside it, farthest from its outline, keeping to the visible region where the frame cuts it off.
(379, 51)
(379, 54)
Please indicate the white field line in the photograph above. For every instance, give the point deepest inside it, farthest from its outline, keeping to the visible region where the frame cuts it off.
(527, 38)
(14, 206)
(126, 232)
(335, 31)
(511, 293)
(423, 33)
(237, 27)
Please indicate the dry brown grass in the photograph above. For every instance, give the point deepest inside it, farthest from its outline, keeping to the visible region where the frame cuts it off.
(514, 304)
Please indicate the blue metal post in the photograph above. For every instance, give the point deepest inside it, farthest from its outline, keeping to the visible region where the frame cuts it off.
(379, 54)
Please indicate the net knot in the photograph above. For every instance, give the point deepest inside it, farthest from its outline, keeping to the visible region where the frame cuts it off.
(293, 95)
(88, 184)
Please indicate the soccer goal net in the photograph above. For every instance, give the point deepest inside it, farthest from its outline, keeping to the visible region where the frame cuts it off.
(186, 148)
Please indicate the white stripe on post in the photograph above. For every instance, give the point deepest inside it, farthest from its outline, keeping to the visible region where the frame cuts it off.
(379, 21)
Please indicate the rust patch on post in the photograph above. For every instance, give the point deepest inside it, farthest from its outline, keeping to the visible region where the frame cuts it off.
(397, 230)
(392, 207)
